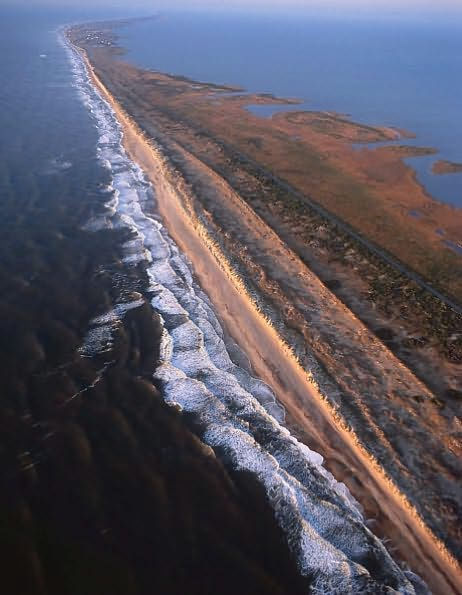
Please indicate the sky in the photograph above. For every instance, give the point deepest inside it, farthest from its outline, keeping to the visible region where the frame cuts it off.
(412, 8)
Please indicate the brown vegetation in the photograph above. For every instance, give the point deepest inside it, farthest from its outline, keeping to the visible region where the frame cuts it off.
(211, 139)
(446, 167)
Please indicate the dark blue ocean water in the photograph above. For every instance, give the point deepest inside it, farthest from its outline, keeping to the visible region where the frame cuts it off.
(47, 139)
(403, 74)
(46, 136)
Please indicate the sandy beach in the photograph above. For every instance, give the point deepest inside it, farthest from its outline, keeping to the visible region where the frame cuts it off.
(309, 414)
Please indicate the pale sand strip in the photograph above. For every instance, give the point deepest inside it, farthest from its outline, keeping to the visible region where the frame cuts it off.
(275, 364)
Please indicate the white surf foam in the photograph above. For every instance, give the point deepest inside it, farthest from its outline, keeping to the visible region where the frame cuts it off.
(239, 414)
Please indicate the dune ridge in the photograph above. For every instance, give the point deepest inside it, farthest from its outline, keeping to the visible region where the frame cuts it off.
(153, 164)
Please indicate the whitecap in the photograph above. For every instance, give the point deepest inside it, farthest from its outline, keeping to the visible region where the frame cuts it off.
(241, 419)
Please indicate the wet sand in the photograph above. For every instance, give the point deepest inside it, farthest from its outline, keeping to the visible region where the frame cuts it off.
(308, 413)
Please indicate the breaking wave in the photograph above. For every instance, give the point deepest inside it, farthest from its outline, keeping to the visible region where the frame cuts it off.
(241, 418)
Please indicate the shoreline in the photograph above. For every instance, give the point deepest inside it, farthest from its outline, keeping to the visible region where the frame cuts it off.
(403, 132)
(345, 158)
(445, 167)
(139, 149)
(397, 133)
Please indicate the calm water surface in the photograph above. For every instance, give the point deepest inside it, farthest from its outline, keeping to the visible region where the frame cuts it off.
(395, 73)
(48, 139)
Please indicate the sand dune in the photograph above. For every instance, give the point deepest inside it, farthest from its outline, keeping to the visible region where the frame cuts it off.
(272, 360)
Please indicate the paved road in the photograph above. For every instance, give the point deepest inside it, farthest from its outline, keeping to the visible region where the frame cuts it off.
(348, 230)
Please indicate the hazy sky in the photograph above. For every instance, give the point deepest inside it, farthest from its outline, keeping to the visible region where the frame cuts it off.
(340, 7)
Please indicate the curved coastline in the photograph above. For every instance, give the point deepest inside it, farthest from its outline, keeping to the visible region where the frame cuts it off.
(297, 486)
(224, 290)
(193, 346)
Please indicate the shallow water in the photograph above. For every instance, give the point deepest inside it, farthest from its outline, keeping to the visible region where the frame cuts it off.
(398, 74)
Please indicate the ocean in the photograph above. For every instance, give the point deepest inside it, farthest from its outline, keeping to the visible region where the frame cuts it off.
(79, 342)
(47, 142)
(393, 73)
(86, 268)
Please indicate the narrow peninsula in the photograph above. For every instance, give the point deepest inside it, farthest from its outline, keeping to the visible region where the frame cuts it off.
(348, 307)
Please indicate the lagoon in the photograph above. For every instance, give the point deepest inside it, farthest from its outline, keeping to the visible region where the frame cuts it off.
(392, 73)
